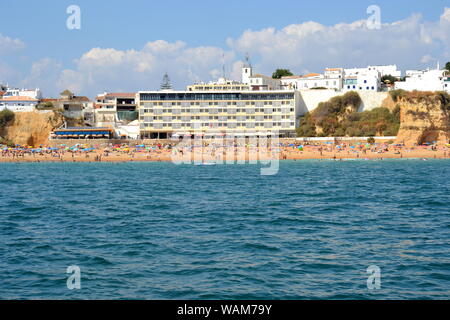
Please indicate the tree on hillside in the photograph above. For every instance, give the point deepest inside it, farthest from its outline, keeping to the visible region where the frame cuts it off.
(388, 79)
(279, 73)
(6, 116)
(371, 140)
(447, 66)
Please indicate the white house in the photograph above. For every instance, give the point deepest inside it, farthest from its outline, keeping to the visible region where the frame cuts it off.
(425, 80)
(262, 82)
(381, 70)
(362, 79)
(20, 100)
(387, 70)
(258, 81)
(331, 79)
(368, 78)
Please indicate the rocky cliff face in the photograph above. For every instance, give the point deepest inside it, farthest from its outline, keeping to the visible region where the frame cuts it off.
(32, 128)
(424, 117)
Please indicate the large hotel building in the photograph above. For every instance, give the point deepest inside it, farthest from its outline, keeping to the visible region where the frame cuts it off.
(216, 108)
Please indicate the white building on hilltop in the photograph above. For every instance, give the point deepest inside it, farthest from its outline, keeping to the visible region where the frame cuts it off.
(331, 79)
(381, 70)
(262, 82)
(425, 80)
(20, 100)
(369, 78)
(365, 80)
(258, 81)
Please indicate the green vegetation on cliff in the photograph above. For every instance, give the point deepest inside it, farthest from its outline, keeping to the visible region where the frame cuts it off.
(340, 117)
(6, 116)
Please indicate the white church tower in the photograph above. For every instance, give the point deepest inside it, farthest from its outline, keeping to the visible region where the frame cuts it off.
(246, 70)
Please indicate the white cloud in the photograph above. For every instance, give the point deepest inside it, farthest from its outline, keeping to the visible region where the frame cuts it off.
(109, 69)
(304, 47)
(312, 46)
(8, 75)
(8, 45)
(426, 58)
(44, 74)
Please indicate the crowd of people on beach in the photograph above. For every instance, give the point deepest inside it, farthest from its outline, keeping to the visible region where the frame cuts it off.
(218, 151)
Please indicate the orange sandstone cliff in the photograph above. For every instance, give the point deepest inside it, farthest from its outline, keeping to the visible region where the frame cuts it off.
(424, 117)
(32, 128)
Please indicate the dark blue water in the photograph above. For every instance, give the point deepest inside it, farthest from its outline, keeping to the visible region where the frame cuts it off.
(161, 231)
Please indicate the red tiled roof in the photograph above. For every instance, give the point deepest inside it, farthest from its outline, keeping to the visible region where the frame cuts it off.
(311, 75)
(18, 98)
(258, 75)
(80, 98)
(121, 95)
(291, 77)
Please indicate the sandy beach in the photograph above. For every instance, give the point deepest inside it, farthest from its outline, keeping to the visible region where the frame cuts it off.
(170, 153)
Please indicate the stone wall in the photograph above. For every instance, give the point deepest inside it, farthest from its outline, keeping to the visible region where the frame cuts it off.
(310, 99)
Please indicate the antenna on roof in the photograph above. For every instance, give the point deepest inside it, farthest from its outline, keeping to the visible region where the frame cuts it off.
(247, 60)
(166, 85)
(223, 65)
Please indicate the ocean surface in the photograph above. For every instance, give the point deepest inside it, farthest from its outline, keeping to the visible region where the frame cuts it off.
(162, 231)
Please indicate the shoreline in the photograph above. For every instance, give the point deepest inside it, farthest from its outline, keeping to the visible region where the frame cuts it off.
(208, 158)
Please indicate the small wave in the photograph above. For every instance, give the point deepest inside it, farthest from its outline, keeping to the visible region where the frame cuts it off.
(260, 246)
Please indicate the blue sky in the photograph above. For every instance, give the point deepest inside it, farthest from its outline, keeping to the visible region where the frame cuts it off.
(132, 24)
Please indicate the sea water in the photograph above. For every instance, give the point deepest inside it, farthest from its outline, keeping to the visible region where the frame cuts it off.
(162, 231)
